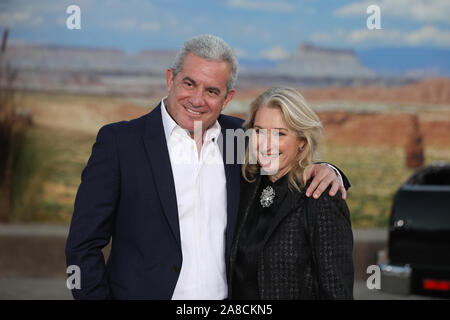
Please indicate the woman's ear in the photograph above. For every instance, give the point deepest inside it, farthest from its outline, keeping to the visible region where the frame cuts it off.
(301, 144)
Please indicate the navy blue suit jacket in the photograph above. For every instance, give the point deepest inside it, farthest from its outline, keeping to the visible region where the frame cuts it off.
(127, 193)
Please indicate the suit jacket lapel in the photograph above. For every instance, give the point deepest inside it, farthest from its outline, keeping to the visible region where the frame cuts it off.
(155, 144)
(248, 194)
(158, 156)
(232, 175)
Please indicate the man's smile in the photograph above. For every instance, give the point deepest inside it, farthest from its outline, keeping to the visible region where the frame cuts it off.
(191, 111)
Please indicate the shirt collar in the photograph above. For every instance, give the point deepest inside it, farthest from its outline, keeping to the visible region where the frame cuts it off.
(213, 132)
(169, 125)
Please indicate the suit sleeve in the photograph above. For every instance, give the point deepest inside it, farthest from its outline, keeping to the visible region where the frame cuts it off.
(346, 182)
(333, 245)
(92, 220)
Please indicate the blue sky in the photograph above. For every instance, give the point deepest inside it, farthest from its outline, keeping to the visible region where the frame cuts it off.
(255, 28)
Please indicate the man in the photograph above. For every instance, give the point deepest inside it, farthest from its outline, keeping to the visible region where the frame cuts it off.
(171, 222)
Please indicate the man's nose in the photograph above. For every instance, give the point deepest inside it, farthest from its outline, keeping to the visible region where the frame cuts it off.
(196, 98)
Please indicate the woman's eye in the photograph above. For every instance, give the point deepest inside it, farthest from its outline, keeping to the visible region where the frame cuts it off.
(277, 133)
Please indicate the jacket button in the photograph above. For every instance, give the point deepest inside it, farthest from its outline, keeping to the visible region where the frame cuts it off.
(176, 268)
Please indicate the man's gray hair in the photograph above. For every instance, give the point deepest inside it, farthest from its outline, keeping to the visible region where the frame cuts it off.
(208, 47)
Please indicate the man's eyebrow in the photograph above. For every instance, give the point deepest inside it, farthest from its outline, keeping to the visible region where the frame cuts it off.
(194, 83)
(189, 79)
(214, 89)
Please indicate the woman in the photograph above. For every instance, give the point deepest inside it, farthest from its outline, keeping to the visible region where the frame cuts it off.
(287, 246)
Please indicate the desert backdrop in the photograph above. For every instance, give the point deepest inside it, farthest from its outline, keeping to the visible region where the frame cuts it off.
(366, 133)
(378, 127)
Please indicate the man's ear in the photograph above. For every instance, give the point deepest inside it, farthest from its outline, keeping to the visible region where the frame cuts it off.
(228, 98)
(169, 78)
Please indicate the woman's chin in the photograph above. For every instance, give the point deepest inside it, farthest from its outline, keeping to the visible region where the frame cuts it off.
(269, 170)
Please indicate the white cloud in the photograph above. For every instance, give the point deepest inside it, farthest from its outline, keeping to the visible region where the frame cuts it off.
(323, 37)
(427, 35)
(177, 25)
(19, 19)
(126, 24)
(25, 13)
(417, 10)
(383, 36)
(354, 9)
(133, 24)
(150, 26)
(240, 53)
(275, 53)
(257, 5)
(14, 18)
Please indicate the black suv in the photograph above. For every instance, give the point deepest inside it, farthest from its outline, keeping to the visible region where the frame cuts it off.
(419, 235)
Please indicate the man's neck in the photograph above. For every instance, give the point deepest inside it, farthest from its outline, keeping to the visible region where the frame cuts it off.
(198, 137)
(198, 134)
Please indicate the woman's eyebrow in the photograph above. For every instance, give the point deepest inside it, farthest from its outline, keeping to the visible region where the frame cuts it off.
(257, 126)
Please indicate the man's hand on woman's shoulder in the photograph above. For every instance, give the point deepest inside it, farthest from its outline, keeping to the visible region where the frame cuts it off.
(324, 176)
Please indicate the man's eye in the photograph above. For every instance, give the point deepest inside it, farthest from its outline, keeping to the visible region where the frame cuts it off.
(213, 92)
(188, 84)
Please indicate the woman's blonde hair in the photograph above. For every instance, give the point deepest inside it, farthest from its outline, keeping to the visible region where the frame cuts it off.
(300, 118)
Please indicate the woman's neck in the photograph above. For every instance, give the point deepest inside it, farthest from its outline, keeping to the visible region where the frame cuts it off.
(277, 176)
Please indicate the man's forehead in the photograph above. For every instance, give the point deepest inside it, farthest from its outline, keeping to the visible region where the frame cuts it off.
(198, 68)
(193, 56)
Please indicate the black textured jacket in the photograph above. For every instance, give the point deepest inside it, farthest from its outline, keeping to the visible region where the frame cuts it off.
(285, 264)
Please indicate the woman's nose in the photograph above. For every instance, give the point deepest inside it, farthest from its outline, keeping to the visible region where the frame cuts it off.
(271, 141)
(264, 141)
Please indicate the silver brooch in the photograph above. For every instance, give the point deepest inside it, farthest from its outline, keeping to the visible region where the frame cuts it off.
(267, 196)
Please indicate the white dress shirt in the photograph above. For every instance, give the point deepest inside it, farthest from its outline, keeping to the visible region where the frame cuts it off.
(201, 194)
